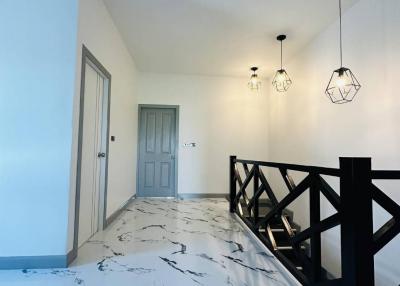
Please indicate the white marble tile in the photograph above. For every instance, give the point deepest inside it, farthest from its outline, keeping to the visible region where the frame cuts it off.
(165, 242)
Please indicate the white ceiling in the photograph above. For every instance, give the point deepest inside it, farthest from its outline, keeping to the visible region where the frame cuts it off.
(218, 37)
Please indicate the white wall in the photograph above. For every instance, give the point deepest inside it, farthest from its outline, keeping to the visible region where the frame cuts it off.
(99, 34)
(37, 75)
(220, 115)
(306, 128)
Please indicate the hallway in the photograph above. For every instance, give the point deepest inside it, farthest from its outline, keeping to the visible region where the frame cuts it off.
(165, 242)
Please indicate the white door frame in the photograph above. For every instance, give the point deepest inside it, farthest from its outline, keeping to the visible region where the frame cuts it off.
(89, 58)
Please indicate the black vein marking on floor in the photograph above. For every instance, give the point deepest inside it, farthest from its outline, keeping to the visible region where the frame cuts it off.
(148, 240)
(205, 213)
(104, 266)
(228, 281)
(136, 270)
(101, 265)
(63, 273)
(122, 224)
(179, 211)
(162, 226)
(209, 258)
(185, 220)
(178, 218)
(195, 219)
(219, 216)
(183, 247)
(238, 245)
(215, 201)
(173, 264)
(105, 246)
(194, 231)
(196, 273)
(222, 229)
(116, 253)
(56, 272)
(145, 212)
(240, 262)
(79, 281)
(149, 203)
(125, 237)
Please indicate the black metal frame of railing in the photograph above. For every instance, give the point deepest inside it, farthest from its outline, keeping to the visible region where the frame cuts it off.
(354, 214)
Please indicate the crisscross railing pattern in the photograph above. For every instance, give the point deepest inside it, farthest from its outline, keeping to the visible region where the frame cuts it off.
(353, 208)
(391, 228)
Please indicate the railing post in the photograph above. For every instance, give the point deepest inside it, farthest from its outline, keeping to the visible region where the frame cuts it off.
(315, 239)
(232, 184)
(356, 222)
(256, 180)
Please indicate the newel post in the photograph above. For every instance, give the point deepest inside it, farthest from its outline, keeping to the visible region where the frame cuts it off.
(232, 184)
(356, 222)
(256, 184)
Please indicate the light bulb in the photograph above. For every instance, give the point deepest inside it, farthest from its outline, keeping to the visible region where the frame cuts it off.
(343, 86)
(281, 81)
(341, 81)
(254, 83)
(280, 77)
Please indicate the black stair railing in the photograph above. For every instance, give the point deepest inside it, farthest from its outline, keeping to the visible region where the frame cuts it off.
(359, 243)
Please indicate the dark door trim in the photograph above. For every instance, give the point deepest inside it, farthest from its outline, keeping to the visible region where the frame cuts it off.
(159, 106)
(87, 56)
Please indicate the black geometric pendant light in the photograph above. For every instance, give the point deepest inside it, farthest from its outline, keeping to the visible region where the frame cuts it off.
(255, 82)
(281, 80)
(343, 85)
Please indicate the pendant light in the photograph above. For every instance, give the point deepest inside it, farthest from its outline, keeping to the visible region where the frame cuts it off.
(281, 80)
(343, 85)
(254, 83)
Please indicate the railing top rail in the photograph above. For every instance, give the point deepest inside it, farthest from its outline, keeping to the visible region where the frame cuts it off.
(385, 174)
(301, 168)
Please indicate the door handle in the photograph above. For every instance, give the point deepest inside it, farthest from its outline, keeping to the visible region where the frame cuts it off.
(173, 157)
(101, 155)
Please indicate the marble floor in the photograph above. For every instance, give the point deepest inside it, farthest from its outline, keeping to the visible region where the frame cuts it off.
(165, 242)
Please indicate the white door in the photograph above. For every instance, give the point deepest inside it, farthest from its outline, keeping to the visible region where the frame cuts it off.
(94, 139)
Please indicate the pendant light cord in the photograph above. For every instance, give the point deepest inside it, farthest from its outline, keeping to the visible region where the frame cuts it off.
(341, 43)
(281, 53)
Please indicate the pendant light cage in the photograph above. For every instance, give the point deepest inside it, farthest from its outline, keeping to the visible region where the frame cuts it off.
(343, 85)
(281, 80)
(254, 83)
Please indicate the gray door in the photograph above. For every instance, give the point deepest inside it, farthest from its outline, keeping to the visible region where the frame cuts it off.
(93, 159)
(157, 142)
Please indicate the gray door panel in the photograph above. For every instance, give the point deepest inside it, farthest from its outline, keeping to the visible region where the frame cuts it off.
(157, 152)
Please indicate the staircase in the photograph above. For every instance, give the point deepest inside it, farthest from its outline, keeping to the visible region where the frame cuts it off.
(275, 232)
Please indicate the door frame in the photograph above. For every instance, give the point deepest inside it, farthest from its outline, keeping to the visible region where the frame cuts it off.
(89, 58)
(159, 106)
